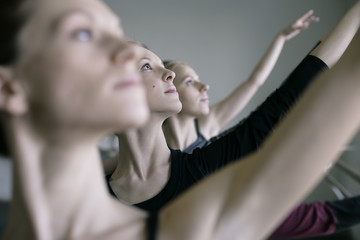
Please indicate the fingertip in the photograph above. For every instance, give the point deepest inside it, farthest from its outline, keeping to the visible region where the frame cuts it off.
(316, 19)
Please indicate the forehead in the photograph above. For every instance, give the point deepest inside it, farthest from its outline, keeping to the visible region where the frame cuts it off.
(47, 12)
(184, 70)
(149, 55)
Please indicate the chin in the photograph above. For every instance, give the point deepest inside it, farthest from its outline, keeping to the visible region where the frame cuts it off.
(133, 115)
(203, 111)
(178, 109)
(138, 116)
(175, 108)
(132, 121)
(142, 118)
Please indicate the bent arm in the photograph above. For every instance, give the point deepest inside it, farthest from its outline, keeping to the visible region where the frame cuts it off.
(224, 111)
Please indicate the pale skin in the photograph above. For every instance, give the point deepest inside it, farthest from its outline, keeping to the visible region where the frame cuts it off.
(180, 130)
(58, 41)
(59, 181)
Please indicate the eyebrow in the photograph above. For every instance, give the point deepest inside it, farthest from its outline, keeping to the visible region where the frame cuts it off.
(57, 23)
(189, 76)
(151, 60)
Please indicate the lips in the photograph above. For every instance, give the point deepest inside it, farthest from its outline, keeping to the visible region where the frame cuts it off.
(171, 89)
(204, 100)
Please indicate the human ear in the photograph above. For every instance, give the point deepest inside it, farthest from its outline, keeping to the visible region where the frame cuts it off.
(12, 94)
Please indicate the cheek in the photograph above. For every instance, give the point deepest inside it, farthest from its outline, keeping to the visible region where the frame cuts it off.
(149, 84)
(62, 89)
(187, 96)
(64, 84)
(152, 89)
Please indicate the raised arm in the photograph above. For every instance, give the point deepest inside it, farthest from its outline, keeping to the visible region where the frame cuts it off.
(224, 111)
(246, 200)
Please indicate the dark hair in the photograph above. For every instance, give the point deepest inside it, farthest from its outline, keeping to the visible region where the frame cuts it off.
(4, 149)
(12, 18)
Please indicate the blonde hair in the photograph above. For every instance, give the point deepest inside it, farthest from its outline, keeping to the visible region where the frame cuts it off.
(171, 64)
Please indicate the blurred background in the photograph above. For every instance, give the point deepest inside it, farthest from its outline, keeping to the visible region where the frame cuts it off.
(223, 41)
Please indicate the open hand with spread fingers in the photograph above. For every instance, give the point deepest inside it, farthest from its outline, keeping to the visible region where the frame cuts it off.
(299, 25)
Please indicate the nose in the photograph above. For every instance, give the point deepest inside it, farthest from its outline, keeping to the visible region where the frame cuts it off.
(124, 52)
(168, 75)
(204, 87)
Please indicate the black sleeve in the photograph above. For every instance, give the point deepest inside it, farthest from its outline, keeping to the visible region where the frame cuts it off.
(250, 133)
(152, 223)
(347, 212)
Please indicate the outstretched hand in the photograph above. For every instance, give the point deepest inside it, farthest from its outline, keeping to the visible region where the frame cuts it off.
(299, 25)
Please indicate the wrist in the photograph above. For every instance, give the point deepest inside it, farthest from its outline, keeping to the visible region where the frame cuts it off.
(281, 36)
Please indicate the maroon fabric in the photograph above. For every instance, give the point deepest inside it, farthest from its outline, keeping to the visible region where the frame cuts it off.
(308, 220)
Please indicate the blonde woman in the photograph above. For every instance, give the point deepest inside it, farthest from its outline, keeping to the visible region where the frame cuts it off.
(197, 123)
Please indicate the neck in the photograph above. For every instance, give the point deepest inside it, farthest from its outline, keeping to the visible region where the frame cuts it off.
(180, 131)
(58, 185)
(143, 150)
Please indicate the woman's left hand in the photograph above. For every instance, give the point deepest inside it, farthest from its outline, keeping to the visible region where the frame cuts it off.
(299, 25)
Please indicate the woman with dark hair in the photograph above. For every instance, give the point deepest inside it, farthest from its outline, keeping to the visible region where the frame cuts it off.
(56, 102)
(45, 47)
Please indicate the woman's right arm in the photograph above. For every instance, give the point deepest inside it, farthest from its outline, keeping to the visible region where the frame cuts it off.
(224, 111)
(249, 134)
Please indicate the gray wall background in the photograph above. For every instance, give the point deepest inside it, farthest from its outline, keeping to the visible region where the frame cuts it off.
(223, 41)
